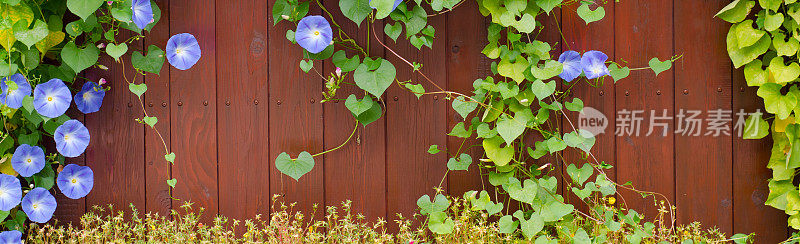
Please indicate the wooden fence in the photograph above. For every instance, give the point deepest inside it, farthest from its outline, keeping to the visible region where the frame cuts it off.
(246, 101)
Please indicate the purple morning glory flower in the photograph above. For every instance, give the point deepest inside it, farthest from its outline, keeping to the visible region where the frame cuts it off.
(183, 51)
(142, 13)
(396, 3)
(11, 237)
(52, 98)
(571, 61)
(39, 205)
(71, 138)
(314, 33)
(90, 98)
(594, 64)
(28, 160)
(13, 98)
(10, 192)
(75, 181)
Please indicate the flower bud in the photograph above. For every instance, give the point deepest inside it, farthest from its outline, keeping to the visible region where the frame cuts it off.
(102, 81)
(103, 67)
(101, 45)
(109, 2)
(286, 17)
(338, 71)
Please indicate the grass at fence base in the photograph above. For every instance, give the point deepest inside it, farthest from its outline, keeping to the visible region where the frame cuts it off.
(339, 225)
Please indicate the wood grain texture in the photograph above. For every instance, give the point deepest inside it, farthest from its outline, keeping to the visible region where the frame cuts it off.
(466, 37)
(580, 37)
(415, 124)
(296, 122)
(116, 149)
(703, 177)
(350, 171)
(194, 138)
(241, 108)
(643, 30)
(157, 103)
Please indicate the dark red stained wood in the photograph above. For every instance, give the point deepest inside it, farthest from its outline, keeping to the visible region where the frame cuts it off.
(241, 108)
(643, 30)
(703, 177)
(415, 124)
(296, 122)
(116, 150)
(751, 175)
(466, 37)
(581, 37)
(194, 139)
(158, 105)
(350, 171)
(551, 34)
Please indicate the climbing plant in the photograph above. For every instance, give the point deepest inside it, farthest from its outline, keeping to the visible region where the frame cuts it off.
(519, 98)
(47, 46)
(765, 45)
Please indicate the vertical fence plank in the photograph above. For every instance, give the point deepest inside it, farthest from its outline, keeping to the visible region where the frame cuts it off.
(158, 105)
(644, 30)
(296, 122)
(116, 150)
(466, 37)
(581, 38)
(551, 34)
(751, 175)
(243, 162)
(703, 83)
(415, 124)
(194, 139)
(355, 171)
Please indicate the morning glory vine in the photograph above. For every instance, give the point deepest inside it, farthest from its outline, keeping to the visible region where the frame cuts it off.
(43, 55)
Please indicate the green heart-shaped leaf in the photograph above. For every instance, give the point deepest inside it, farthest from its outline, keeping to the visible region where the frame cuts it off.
(393, 31)
(79, 59)
(548, 5)
(618, 73)
(777, 103)
(517, 192)
(433, 149)
(295, 168)
(589, 15)
(507, 224)
(151, 121)
(745, 34)
(439, 204)
(152, 62)
(586, 191)
(543, 90)
(736, 11)
(462, 163)
(555, 145)
(580, 175)
(499, 155)
(29, 37)
(357, 107)
(576, 105)
(346, 64)
(743, 55)
(782, 73)
(170, 157)
(171, 182)
(355, 10)
(494, 208)
(659, 66)
(514, 70)
(550, 69)
(371, 115)
(755, 127)
(532, 226)
(51, 40)
(754, 74)
(84, 8)
(773, 21)
(116, 51)
(439, 223)
(459, 131)
(306, 65)
(582, 139)
(137, 89)
(375, 81)
(511, 128)
(784, 47)
(464, 107)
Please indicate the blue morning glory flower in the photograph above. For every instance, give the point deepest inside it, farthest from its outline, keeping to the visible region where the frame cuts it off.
(39, 205)
(90, 98)
(142, 13)
(396, 3)
(28, 160)
(75, 181)
(571, 61)
(71, 138)
(11, 236)
(594, 64)
(51, 99)
(314, 33)
(10, 192)
(183, 51)
(13, 98)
